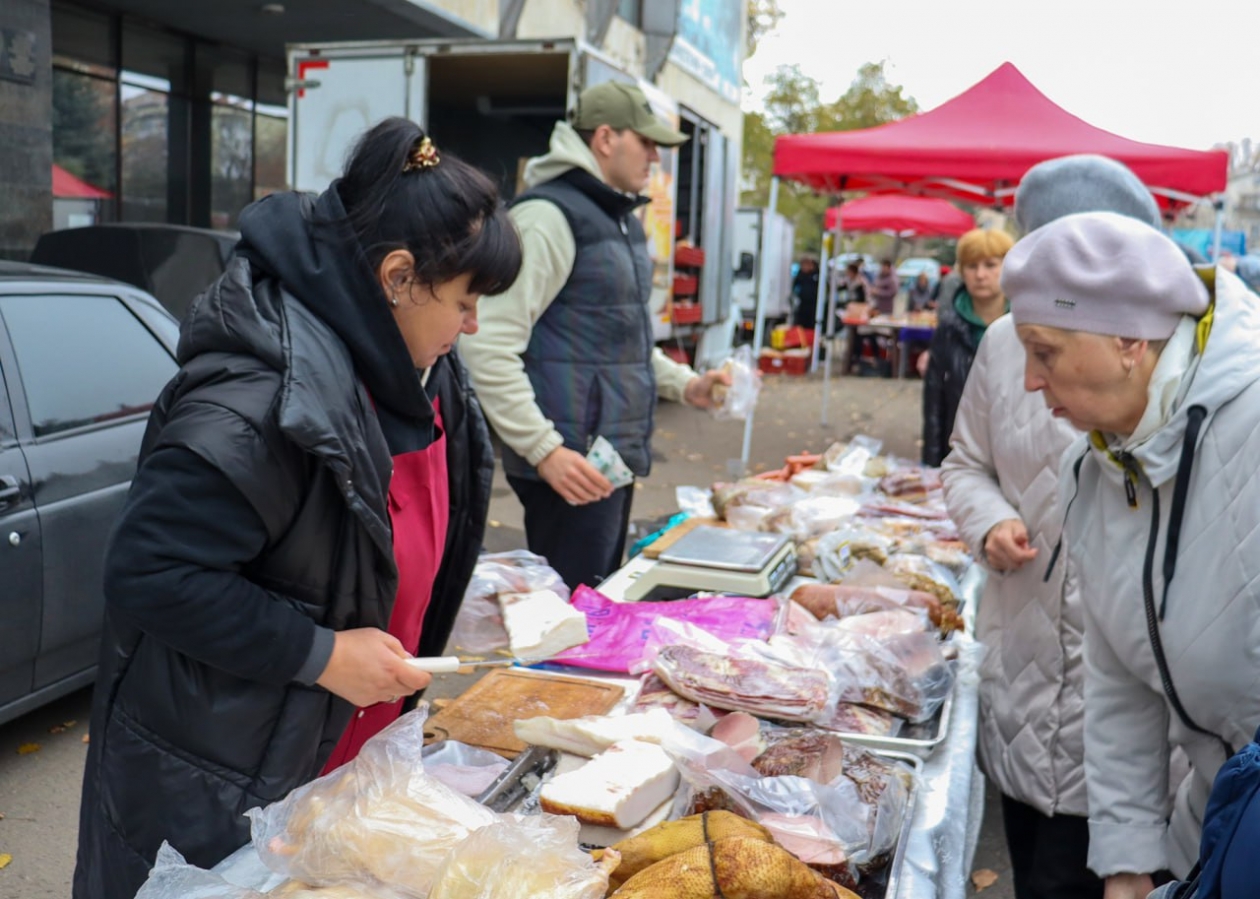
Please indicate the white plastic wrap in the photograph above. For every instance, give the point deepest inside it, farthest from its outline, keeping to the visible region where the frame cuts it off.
(739, 400)
(479, 624)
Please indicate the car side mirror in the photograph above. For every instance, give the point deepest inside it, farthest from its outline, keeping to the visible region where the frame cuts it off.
(745, 270)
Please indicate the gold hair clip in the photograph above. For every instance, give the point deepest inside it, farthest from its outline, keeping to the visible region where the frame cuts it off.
(424, 156)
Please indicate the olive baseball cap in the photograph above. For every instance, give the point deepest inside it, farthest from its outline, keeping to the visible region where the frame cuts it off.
(620, 106)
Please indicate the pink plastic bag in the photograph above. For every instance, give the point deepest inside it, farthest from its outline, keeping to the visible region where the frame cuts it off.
(619, 631)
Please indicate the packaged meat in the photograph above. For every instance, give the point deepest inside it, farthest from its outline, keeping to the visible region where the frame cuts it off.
(906, 674)
(843, 600)
(839, 550)
(885, 624)
(762, 688)
(851, 718)
(654, 693)
(736, 403)
(921, 573)
(524, 857)
(379, 819)
(911, 484)
(742, 732)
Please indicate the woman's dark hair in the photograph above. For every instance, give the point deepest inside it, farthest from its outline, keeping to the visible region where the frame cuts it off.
(447, 214)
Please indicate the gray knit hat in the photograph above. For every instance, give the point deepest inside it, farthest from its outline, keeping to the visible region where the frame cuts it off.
(1104, 273)
(1081, 183)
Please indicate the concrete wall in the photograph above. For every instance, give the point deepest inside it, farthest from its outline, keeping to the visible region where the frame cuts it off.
(26, 137)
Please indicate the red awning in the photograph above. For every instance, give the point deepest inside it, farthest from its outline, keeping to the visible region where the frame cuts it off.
(66, 186)
(908, 216)
(978, 145)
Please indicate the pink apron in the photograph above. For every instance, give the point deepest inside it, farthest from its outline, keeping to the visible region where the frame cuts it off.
(419, 509)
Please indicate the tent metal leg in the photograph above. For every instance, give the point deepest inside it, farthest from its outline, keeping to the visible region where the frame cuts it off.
(759, 317)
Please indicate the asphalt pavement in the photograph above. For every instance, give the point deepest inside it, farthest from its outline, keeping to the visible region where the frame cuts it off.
(42, 753)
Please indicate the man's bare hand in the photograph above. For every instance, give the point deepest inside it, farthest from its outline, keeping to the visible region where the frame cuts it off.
(1006, 546)
(699, 390)
(370, 666)
(1128, 886)
(576, 480)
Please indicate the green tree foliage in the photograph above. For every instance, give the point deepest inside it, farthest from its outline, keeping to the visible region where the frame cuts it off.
(83, 127)
(763, 17)
(793, 105)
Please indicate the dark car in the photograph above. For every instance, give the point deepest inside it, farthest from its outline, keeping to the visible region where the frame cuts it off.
(82, 359)
(173, 262)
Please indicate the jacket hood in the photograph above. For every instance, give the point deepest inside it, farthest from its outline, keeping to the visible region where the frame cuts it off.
(300, 241)
(567, 151)
(1226, 362)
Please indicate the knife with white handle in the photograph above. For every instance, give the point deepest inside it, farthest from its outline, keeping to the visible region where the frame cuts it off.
(451, 664)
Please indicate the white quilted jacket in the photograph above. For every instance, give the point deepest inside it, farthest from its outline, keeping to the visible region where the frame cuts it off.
(1004, 463)
(1210, 630)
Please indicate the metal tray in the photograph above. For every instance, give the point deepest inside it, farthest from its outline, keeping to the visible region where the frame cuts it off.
(914, 739)
(517, 790)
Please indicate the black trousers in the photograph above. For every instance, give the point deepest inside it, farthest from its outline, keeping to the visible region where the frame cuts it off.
(584, 544)
(1048, 854)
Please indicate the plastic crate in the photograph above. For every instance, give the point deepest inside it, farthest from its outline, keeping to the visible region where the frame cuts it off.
(787, 362)
(686, 313)
(686, 285)
(786, 337)
(688, 257)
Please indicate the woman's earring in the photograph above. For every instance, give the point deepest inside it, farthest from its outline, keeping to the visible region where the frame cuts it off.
(393, 300)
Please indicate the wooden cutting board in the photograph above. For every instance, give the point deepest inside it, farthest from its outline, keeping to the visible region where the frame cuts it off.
(483, 714)
(654, 549)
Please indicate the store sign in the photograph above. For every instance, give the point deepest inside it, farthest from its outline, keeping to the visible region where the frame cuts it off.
(17, 55)
(710, 45)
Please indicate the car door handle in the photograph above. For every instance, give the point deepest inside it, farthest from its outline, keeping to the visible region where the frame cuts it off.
(9, 489)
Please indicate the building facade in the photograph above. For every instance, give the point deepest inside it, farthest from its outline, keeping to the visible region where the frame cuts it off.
(145, 110)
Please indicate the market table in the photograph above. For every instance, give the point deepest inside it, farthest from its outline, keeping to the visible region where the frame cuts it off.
(950, 804)
(947, 811)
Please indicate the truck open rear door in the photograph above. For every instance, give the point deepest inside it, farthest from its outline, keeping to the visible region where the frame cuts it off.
(338, 93)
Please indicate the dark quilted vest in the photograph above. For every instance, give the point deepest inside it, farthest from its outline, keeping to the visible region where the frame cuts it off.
(589, 356)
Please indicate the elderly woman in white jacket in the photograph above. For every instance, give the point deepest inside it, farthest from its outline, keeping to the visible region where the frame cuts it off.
(1001, 484)
(1161, 366)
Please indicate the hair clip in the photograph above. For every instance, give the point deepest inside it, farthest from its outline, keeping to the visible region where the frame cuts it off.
(424, 156)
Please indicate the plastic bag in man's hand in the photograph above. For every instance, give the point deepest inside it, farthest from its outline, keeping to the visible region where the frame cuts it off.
(737, 401)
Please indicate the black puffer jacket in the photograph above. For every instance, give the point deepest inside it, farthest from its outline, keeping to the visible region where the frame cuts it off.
(256, 524)
(951, 353)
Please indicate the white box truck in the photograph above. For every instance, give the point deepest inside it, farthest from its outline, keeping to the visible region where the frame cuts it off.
(761, 258)
(493, 103)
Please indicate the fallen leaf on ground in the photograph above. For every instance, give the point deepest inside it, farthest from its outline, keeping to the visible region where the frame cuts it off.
(28, 748)
(56, 729)
(1, 816)
(85, 738)
(69, 724)
(5, 858)
(983, 879)
(494, 524)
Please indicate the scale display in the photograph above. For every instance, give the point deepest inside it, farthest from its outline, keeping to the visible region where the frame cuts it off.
(721, 560)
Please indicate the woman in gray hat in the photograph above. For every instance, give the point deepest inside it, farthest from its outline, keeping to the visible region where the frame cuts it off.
(1160, 365)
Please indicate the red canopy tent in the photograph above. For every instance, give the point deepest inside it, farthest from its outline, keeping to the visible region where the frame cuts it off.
(907, 216)
(68, 186)
(979, 144)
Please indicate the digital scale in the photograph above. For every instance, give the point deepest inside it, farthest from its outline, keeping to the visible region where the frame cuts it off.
(719, 560)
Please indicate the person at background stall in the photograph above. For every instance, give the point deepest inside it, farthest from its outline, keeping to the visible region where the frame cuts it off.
(1160, 365)
(567, 354)
(883, 290)
(963, 318)
(1001, 488)
(312, 475)
(856, 285)
(921, 295)
(805, 293)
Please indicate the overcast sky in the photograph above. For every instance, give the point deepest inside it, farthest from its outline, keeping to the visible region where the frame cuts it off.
(1184, 73)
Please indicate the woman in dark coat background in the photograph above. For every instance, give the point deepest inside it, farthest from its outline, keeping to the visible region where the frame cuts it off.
(963, 318)
(253, 572)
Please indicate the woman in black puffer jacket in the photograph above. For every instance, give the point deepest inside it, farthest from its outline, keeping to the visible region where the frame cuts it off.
(257, 563)
(963, 318)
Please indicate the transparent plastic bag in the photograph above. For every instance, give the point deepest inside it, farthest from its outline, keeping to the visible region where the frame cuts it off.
(838, 551)
(379, 820)
(739, 400)
(921, 573)
(852, 458)
(523, 858)
(479, 624)
(696, 502)
(173, 878)
(466, 769)
(906, 674)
